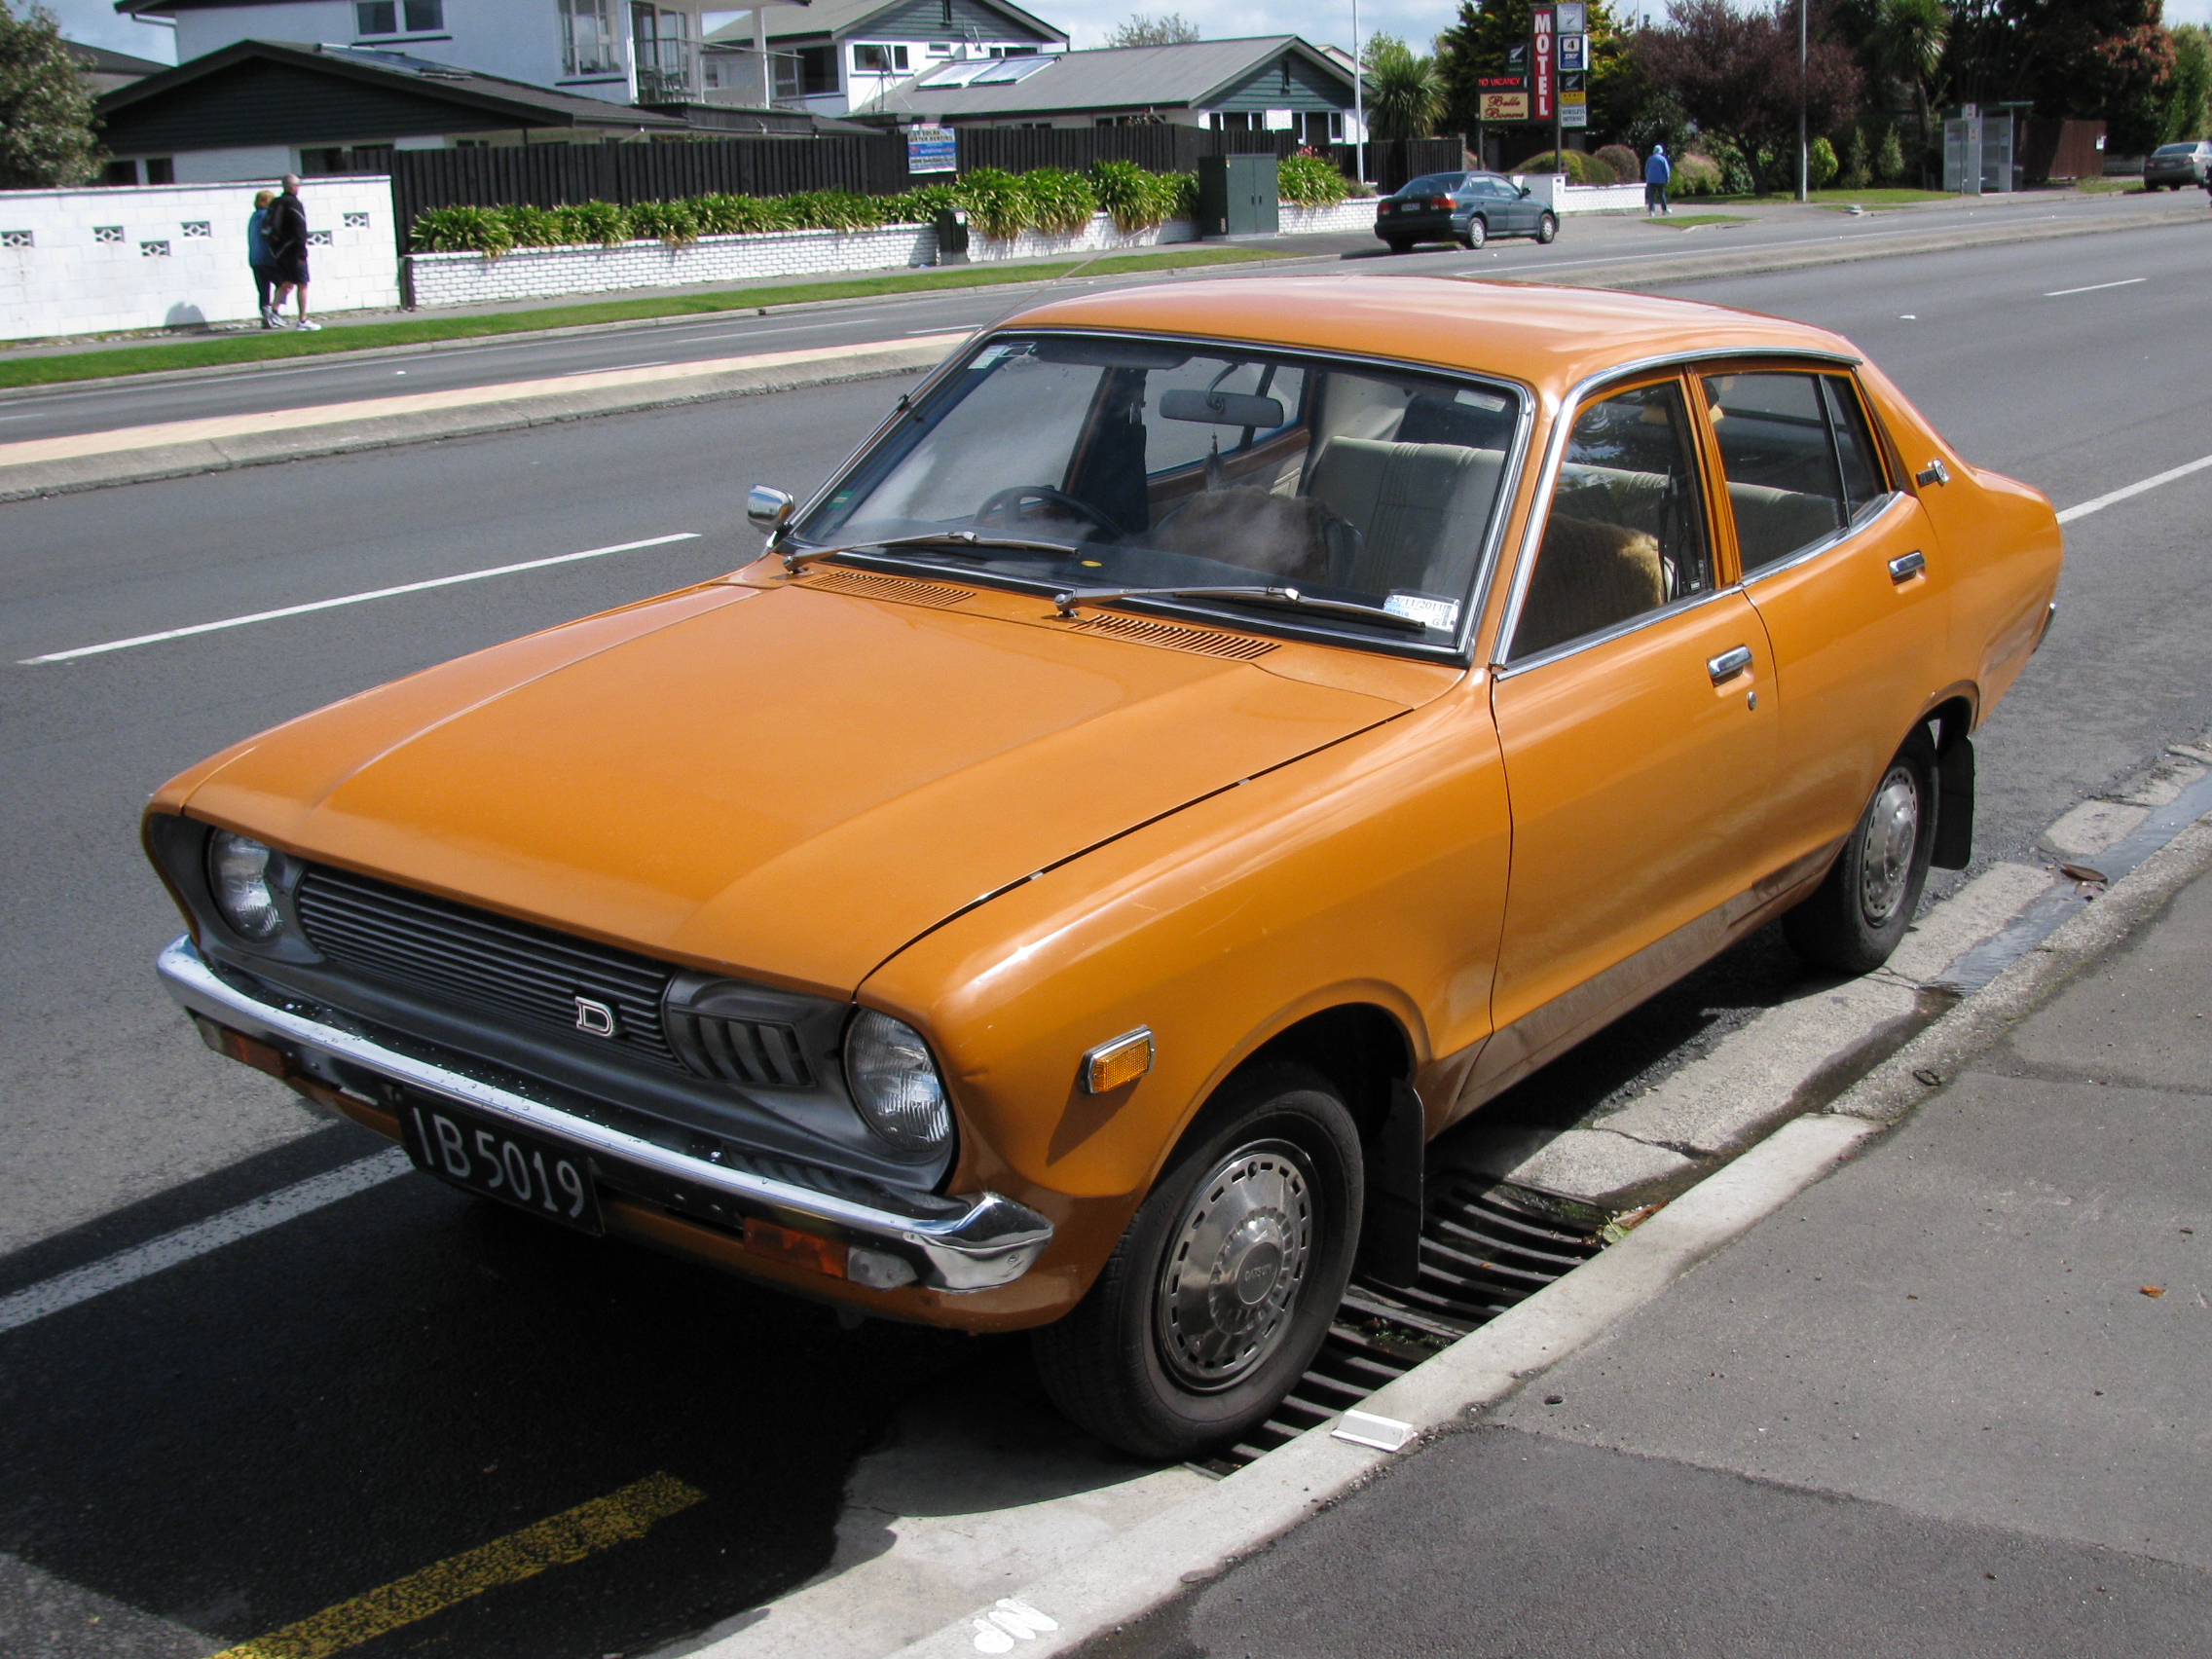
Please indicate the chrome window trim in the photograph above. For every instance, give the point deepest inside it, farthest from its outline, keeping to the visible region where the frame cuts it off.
(1619, 630)
(1555, 455)
(1462, 651)
(1868, 517)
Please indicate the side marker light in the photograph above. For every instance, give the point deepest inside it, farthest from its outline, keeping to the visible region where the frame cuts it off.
(1123, 1061)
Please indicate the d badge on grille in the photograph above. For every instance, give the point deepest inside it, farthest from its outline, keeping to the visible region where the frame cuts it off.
(596, 1018)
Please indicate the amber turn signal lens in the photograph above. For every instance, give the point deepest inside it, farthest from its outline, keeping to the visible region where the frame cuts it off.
(800, 1249)
(1123, 1061)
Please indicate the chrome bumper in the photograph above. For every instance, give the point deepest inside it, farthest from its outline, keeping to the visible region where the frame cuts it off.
(981, 1241)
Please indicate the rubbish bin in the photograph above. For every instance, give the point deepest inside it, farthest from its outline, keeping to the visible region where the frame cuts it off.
(951, 236)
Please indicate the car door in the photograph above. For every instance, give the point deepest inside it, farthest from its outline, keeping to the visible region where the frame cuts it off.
(1847, 576)
(1635, 708)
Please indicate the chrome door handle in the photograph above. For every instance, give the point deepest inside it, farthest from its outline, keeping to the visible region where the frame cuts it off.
(1907, 566)
(1728, 664)
(1934, 472)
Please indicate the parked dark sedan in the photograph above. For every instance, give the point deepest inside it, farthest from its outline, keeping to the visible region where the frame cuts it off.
(2175, 166)
(1465, 207)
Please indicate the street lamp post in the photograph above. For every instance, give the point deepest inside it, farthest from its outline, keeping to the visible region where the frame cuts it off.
(1804, 156)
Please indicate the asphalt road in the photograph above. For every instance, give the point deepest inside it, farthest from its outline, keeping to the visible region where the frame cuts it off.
(1584, 245)
(231, 1444)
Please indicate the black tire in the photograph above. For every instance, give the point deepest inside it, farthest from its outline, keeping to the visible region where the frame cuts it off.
(1547, 227)
(1154, 1358)
(1476, 233)
(1398, 244)
(1858, 915)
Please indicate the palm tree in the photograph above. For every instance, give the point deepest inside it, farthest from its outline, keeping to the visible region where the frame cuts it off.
(1909, 36)
(1407, 96)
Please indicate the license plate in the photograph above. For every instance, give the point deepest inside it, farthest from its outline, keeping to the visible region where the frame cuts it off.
(482, 1154)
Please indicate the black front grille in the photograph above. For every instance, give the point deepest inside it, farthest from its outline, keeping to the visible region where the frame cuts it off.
(473, 959)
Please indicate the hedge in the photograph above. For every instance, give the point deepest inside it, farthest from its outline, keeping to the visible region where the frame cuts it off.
(1000, 205)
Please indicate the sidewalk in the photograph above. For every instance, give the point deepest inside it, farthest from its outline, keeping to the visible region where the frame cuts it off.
(1949, 1400)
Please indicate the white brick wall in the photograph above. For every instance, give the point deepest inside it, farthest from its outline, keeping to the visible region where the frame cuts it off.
(84, 261)
(532, 272)
(1566, 198)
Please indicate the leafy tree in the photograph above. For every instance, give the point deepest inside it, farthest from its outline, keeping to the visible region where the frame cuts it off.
(46, 114)
(2092, 59)
(1906, 46)
(1889, 161)
(2187, 96)
(1168, 28)
(1736, 75)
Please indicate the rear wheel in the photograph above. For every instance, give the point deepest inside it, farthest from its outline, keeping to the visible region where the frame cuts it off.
(1220, 1293)
(1475, 234)
(1399, 244)
(1859, 914)
(1547, 227)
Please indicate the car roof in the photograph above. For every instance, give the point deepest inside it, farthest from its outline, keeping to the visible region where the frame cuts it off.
(1551, 338)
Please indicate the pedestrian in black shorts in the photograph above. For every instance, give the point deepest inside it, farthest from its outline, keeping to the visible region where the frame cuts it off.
(257, 254)
(288, 236)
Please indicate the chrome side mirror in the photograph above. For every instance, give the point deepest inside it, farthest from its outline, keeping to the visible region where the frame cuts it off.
(768, 509)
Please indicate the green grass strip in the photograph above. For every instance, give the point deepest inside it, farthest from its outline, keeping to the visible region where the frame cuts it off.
(254, 347)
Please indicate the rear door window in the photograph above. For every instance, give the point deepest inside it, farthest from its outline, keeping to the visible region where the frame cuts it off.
(1799, 459)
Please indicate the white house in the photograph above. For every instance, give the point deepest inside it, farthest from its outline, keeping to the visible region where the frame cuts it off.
(836, 55)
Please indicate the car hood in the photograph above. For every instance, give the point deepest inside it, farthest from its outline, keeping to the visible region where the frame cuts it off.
(789, 783)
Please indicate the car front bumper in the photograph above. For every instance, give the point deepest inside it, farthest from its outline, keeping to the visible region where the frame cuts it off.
(976, 1242)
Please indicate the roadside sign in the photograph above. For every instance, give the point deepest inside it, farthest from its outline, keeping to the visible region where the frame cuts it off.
(931, 148)
(1574, 53)
(1504, 106)
(1544, 87)
(1573, 19)
(1502, 83)
(1575, 109)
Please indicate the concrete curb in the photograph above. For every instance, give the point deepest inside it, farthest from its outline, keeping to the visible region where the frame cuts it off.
(1893, 1088)
(1137, 1571)
(299, 442)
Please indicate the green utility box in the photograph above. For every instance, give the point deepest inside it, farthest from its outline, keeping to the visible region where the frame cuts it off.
(1236, 196)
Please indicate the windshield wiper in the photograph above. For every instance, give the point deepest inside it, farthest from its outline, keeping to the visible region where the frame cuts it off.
(797, 561)
(1067, 601)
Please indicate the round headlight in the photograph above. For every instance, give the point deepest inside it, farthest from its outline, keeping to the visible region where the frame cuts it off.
(894, 1083)
(238, 874)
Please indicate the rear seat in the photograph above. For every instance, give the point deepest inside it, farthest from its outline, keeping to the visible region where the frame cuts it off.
(1410, 502)
(1771, 523)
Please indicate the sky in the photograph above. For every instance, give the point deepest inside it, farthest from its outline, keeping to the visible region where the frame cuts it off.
(95, 22)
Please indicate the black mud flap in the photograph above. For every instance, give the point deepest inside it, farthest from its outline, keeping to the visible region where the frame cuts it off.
(1954, 805)
(1389, 1244)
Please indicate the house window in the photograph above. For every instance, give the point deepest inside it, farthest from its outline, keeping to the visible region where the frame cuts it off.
(879, 60)
(807, 73)
(161, 170)
(941, 49)
(396, 16)
(661, 42)
(588, 38)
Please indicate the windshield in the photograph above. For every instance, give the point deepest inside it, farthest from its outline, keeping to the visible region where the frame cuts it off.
(2176, 150)
(1159, 465)
(1433, 184)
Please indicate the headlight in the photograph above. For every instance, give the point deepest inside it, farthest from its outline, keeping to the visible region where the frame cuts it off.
(238, 874)
(894, 1083)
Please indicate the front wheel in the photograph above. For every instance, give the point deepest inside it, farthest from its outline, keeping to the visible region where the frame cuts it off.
(1859, 914)
(1222, 1290)
(1474, 235)
(1547, 227)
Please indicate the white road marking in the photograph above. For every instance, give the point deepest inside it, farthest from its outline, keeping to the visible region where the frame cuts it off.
(656, 364)
(356, 599)
(2094, 287)
(2097, 504)
(257, 1215)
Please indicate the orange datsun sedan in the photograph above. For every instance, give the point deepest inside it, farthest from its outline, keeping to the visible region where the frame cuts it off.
(1209, 740)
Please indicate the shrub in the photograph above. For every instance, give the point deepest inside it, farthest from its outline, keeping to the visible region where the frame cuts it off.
(589, 222)
(531, 227)
(1735, 173)
(1579, 166)
(996, 204)
(1695, 175)
(1309, 181)
(1820, 164)
(1623, 160)
(1058, 199)
(1889, 161)
(462, 230)
(675, 224)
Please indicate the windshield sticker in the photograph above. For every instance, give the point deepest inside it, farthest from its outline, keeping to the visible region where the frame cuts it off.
(1443, 613)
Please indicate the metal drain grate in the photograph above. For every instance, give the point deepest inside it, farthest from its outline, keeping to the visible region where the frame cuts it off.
(1481, 1252)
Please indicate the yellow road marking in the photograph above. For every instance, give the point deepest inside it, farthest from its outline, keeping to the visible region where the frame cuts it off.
(570, 1536)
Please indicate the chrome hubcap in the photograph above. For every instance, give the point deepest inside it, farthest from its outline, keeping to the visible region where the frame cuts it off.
(1893, 831)
(1235, 1265)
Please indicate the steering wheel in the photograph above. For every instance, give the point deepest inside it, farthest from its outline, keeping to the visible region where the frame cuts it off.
(1005, 505)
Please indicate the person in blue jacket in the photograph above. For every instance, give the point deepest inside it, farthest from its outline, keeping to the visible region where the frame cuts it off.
(258, 256)
(1657, 171)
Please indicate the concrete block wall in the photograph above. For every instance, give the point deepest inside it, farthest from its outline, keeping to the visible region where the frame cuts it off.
(1353, 213)
(171, 256)
(1566, 198)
